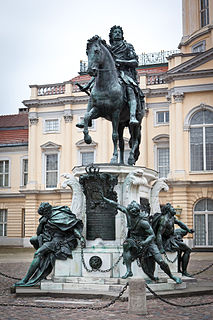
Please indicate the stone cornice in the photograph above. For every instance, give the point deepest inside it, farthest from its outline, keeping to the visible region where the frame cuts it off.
(55, 101)
(194, 37)
(192, 88)
(157, 105)
(155, 92)
(189, 75)
(11, 195)
(196, 183)
(14, 147)
(51, 191)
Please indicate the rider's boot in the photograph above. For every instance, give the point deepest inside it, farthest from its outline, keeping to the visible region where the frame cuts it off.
(133, 121)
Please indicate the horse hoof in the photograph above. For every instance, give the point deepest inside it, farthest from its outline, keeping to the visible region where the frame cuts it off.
(131, 161)
(127, 275)
(80, 125)
(88, 139)
(114, 160)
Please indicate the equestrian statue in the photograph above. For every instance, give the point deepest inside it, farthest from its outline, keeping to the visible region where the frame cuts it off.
(114, 92)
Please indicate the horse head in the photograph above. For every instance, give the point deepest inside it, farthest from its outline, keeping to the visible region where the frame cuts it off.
(96, 47)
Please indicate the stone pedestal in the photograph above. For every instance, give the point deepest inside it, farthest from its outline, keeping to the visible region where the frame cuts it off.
(134, 183)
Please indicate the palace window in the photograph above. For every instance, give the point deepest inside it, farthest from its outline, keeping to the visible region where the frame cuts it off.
(161, 147)
(203, 223)
(162, 117)
(4, 173)
(163, 161)
(86, 153)
(3, 222)
(51, 125)
(51, 172)
(204, 12)
(87, 158)
(201, 141)
(199, 47)
(24, 172)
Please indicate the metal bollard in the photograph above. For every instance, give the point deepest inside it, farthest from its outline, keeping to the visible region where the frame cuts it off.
(137, 296)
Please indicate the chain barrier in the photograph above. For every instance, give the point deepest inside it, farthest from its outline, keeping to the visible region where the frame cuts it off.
(10, 277)
(175, 304)
(95, 270)
(69, 307)
(202, 270)
(113, 300)
(171, 261)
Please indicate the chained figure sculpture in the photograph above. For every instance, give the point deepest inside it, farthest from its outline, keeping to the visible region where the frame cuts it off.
(56, 238)
(115, 94)
(140, 242)
(170, 239)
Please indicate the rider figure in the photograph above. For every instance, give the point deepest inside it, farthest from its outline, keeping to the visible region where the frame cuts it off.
(126, 61)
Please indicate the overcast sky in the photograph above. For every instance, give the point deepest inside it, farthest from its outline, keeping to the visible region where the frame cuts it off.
(43, 41)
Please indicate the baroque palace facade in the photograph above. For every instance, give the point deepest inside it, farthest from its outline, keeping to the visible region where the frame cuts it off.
(42, 142)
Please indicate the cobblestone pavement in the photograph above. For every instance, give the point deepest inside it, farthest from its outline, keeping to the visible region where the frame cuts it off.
(157, 310)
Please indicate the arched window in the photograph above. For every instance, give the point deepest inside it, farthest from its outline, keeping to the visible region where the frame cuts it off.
(201, 140)
(203, 223)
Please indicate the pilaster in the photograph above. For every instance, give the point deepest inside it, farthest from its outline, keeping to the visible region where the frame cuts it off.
(33, 118)
(176, 136)
(68, 117)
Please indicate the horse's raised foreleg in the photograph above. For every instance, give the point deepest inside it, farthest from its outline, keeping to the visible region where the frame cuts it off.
(121, 142)
(115, 121)
(81, 124)
(92, 114)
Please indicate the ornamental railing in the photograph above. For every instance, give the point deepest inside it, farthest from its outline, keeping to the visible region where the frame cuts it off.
(154, 79)
(51, 89)
(156, 57)
(144, 59)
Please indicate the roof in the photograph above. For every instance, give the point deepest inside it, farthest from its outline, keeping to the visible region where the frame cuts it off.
(18, 136)
(14, 120)
(14, 130)
(84, 77)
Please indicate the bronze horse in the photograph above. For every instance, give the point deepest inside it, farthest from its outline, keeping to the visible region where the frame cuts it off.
(108, 100)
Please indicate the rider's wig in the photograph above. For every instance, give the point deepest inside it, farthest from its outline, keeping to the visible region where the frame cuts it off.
(111, 32)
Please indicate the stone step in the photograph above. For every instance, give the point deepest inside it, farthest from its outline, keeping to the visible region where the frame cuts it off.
(50, 286)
